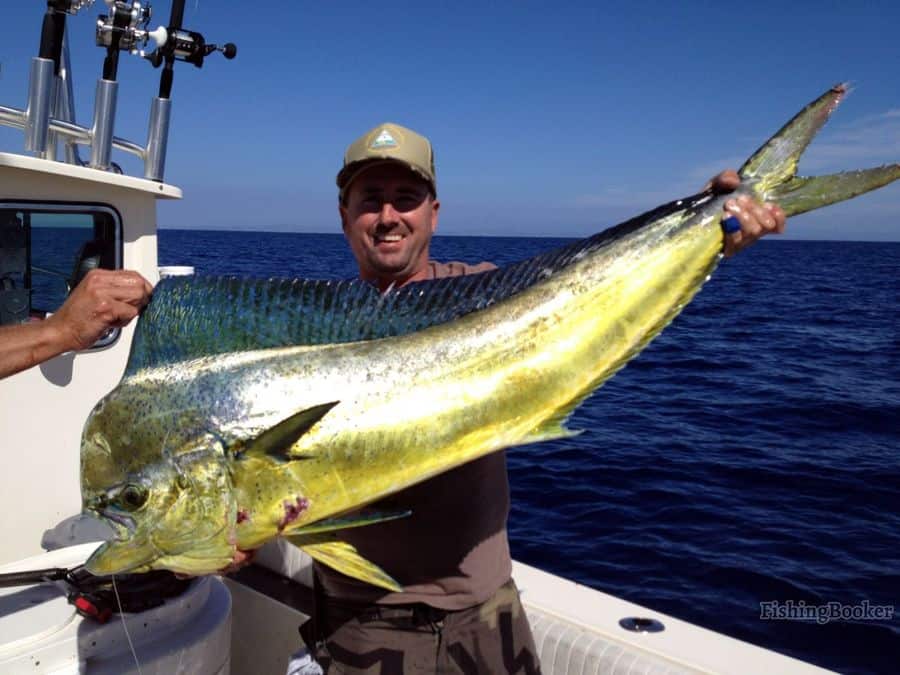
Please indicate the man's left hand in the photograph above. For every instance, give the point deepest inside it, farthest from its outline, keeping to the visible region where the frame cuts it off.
(757, 219)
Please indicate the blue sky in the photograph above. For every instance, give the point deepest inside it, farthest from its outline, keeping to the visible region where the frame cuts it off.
(546, 119)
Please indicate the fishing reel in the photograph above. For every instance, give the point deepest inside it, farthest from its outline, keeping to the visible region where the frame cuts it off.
(190, 47)
(98, 598)
(126, 27)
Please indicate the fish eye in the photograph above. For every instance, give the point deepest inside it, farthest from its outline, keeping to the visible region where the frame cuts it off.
(132, 497)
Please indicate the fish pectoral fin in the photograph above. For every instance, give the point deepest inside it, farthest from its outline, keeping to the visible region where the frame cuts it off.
(357, 519)
(277, 441)
(344, 558)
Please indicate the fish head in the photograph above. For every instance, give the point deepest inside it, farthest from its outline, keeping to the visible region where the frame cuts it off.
(170, 509)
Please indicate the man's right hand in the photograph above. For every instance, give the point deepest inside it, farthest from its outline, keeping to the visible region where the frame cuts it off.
(104, 299)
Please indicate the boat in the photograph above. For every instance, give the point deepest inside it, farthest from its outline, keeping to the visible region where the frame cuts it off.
(62, 215)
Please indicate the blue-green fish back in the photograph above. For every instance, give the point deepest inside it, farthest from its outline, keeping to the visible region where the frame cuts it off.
(191, 317)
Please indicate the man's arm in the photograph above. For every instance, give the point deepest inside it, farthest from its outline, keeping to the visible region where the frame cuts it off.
(104, 299)
(757, 219)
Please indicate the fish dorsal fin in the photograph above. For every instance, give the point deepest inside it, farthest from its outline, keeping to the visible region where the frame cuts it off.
(277, 441)
(192, 317)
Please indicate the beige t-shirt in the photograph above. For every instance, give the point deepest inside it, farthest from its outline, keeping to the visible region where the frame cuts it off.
(452, 552)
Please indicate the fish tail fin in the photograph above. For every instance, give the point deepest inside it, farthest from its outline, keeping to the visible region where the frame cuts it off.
(801, 194)
(771, 171)
(344, 557)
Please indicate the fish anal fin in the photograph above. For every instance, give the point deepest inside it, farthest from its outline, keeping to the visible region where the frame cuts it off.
(344, 558)
(277, 441)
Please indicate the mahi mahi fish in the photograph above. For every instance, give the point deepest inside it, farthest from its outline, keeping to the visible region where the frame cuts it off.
(256, 409)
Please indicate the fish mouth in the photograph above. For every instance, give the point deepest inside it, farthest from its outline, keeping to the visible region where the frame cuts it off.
(121, 553)
(118, 557)
(122, 524)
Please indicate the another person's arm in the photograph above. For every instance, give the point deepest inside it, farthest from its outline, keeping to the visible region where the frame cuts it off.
(104, 299)
(757, 219)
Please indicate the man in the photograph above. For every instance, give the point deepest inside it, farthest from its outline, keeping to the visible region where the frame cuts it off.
(104, 299)
(459, 611)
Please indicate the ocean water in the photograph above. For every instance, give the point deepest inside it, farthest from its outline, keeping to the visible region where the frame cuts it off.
(750, 454)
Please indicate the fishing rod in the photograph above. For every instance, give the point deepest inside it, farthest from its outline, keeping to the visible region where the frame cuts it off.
(115, 31)
(95, 598)
(45, 69)
(183, 45)
(180, 45)
(126, 28)
(53, 30)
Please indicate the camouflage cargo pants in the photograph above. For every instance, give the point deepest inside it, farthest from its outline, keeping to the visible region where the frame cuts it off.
(493, 637)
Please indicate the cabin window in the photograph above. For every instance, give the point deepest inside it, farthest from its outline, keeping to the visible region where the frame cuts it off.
(45, 252)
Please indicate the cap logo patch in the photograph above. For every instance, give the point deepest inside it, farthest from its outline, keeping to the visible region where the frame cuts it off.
(383, 140)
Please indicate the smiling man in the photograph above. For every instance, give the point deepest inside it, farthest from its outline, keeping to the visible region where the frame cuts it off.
(389, 207)
(459, 610)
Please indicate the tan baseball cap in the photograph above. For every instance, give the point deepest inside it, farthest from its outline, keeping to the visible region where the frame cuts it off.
(388, 142)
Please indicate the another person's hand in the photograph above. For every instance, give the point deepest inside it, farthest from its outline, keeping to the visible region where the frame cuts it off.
(756, 219)
(104, 299)
(241, 559)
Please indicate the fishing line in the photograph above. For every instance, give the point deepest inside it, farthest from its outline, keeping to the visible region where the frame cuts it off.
(125, 625)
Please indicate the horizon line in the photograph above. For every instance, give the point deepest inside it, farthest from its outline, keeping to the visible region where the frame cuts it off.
(505, 236)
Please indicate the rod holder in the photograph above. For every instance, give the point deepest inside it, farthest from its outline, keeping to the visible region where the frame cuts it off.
(104, 122)
(40, 100)
(157, 138)
(50, 149)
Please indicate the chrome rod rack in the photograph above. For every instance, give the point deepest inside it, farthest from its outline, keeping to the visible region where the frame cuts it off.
(49, 116)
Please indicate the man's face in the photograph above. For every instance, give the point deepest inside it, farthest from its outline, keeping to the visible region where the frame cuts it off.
(388, 218)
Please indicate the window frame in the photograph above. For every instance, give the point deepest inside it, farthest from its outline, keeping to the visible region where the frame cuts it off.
(88, 208)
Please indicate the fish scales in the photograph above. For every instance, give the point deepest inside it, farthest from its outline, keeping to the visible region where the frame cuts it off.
(228, 446)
